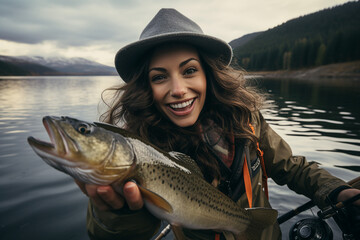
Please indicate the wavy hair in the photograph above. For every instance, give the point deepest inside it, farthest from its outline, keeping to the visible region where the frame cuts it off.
(229, 103)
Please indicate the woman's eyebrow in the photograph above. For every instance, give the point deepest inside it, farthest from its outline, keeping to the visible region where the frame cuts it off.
(180, 65)
(186, 61)
(157, 69)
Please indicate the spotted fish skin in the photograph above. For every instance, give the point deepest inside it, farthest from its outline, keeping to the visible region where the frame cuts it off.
(171, 184)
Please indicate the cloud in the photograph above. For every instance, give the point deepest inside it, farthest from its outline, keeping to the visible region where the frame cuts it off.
(45, 26)
(73, 24)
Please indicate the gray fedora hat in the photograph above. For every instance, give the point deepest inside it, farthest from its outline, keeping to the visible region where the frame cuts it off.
(169, 25)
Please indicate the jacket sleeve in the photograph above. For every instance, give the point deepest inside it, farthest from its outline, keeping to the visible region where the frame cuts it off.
(300, 175)
(121, 224)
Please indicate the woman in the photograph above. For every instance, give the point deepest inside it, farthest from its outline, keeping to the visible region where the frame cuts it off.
(182, 95)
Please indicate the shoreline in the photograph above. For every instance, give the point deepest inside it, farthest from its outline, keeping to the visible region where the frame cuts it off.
(347, 70)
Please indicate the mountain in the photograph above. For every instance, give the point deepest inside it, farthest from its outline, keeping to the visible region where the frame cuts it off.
(10, 66)
(243, 40)
(37, 65)
(324, 37)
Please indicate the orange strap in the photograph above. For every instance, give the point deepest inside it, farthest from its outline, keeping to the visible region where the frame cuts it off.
(247, 182)
(217, 236)
(262, 162)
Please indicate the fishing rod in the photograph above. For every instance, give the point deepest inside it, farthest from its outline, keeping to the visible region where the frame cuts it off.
(306, 206)
(331, 211)
(346, 216)
(164, 232)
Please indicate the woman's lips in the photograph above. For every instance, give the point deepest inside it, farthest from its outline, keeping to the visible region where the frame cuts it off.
(182, 108)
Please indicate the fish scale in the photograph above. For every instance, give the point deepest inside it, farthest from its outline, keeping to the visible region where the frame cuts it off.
(171, 184)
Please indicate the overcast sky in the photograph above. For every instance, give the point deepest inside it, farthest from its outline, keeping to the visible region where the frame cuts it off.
(96, 29)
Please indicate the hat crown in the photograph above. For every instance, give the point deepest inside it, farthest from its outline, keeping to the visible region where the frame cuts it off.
(168, 25)
(168, 21)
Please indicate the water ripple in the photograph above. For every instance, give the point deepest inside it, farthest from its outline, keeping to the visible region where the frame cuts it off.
(315, 120)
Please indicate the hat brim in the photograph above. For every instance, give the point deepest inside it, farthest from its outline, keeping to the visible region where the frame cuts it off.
(128, 57)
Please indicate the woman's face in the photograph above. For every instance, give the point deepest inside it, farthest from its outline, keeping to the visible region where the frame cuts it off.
(178, 83)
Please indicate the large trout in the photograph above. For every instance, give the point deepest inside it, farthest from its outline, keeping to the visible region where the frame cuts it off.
(171, 183)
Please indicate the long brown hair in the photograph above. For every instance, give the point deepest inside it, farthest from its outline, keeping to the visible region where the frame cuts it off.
(229, 103)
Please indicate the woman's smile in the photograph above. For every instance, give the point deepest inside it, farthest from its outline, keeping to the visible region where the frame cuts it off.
(182, 108)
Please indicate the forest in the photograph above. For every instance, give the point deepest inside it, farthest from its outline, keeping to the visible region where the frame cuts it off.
(328, 36)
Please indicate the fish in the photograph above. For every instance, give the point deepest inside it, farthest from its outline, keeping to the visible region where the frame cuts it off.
(171, 183)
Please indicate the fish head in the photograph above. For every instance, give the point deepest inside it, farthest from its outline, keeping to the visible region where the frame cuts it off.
(86, 152)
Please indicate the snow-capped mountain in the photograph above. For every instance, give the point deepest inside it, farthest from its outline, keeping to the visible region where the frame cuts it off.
(38, 65)
(59, 61)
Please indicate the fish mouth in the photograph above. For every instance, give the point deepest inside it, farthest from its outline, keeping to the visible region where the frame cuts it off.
(61, 144)
(60, 151)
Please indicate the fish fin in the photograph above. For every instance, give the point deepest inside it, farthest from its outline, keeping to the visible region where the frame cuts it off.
(155, 199)
(187, 162)
(261, 219)
(178, 232)
(110, 127)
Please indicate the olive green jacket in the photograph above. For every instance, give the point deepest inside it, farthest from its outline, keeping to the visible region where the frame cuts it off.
(284, 168)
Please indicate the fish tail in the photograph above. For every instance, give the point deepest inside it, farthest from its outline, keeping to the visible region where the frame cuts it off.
(261, 218)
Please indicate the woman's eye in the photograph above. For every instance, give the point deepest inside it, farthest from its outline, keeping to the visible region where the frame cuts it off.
(158, 78)
(190, 71)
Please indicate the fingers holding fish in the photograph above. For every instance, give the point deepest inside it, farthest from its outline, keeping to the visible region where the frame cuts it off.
(133, 196)
(95, 198)
(110, 197)
(100, 196)
(104, 197)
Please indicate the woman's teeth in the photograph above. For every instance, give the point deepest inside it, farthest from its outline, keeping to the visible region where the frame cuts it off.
(182, 105)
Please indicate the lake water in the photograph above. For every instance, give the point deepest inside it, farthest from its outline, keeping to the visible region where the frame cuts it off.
(320, 120)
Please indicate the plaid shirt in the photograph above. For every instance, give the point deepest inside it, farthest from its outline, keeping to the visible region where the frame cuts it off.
(223, 146)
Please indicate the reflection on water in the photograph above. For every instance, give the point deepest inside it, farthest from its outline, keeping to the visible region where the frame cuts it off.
(37, 202)
(316, 117)
(320, 120)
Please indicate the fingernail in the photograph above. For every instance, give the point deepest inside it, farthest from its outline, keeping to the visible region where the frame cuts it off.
(101, 190)
(129, 189)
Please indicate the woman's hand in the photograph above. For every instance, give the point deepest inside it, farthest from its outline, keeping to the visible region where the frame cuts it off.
(105, 198)
(347, 194)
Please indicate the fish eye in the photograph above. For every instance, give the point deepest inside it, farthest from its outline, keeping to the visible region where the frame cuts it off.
(84, 128)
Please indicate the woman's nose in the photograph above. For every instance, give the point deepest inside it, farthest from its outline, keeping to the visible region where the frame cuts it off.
(178, 88)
